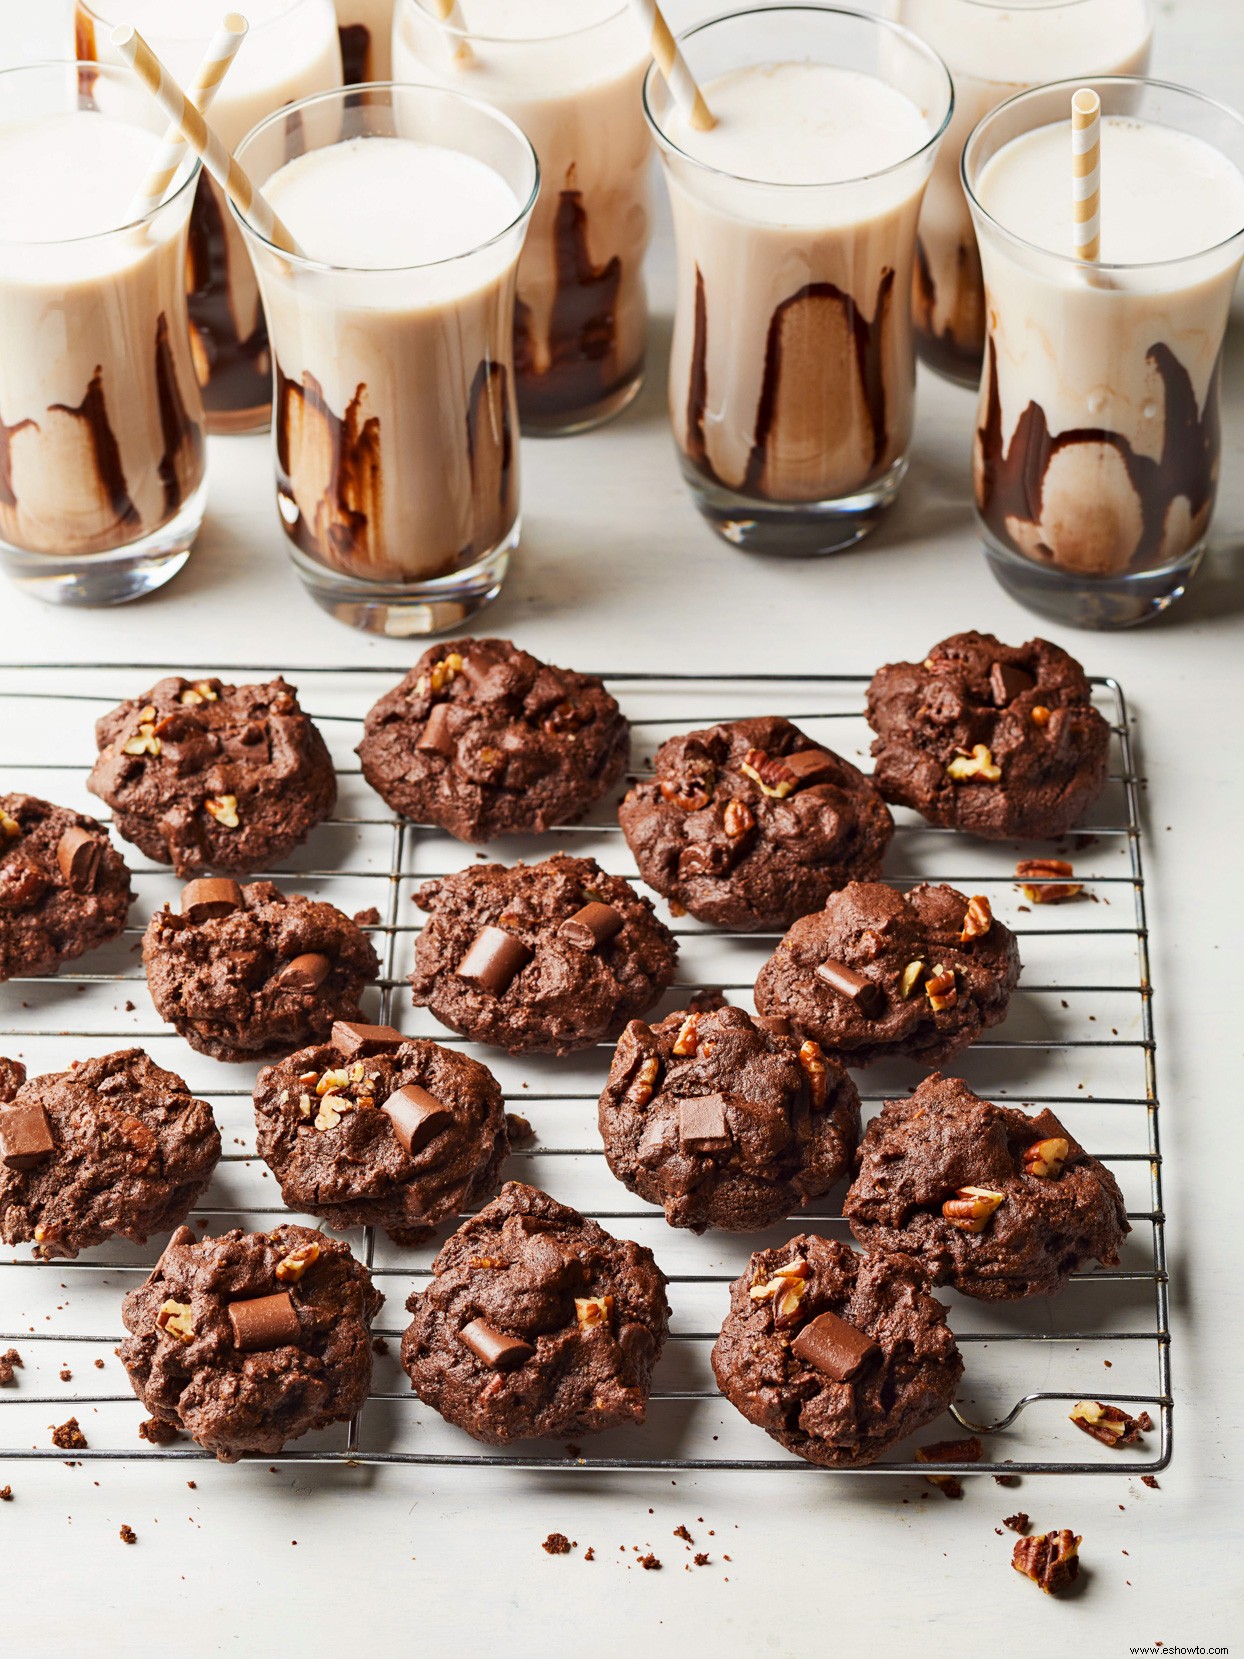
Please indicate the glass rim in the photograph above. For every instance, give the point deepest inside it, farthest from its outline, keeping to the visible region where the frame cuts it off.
(1035, 5)
(882, 23)
(343, 94)
(1094, 81)
(93, 9)
(116, 73)
(467, 33)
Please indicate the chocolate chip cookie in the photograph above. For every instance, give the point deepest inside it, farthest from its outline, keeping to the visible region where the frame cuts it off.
(243, 972)
(726, 1120)
(207, 776)
(115, 1147)
(751, 824)
(249, 1340)
(1001, 741)
(64, 888)
(536, 1322)
(539, 958)
(837, 1355)
(880, 973)
(374, 1128)
(992, 1201)
(486, 740)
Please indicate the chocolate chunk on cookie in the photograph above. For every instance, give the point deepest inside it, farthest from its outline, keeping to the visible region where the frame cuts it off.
(539, 958)
(880, 973)
(536, 1322)
(207, 776)
(248, 1340)
(486, 740)
(998, 740)
(64, 888)
(398, 1135)
(115, 1148)
(751, 824)
(726, 1121)
(814, 1315)
(992, 1201)
(247, 971)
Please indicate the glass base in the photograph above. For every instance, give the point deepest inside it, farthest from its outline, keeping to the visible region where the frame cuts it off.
(113, 578)
(231, 423)
(408, 610)
(1100, 602)
(949, 361)
(795, 530)
(536, 425)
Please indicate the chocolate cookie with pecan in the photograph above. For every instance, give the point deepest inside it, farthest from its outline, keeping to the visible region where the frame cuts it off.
(539, 958)
(751, 824)
(207, 776)
(837, 1355)
(64, 888)
(536, 1322)
(880, 973)
(485, 740)
(1001, 741)
(249, 1340)
(992, 1201)
(726, 1120)
(117, 1147)
(243, 972)
(377, 1129)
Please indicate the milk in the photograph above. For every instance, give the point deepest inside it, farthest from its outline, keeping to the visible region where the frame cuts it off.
(101, 422)
(994, 50)
(569, 73)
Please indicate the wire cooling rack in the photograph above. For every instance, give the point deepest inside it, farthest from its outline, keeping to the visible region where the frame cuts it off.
(1079, 1039)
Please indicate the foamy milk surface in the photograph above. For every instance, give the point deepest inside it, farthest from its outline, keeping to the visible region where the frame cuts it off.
(70, 175)
(1164, 194)
(1025, 45)
(535, 19)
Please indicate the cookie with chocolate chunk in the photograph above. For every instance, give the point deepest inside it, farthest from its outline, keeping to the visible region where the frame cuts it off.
(992, 1201)
(117, 1147)
(880, 973)
(207, 776)
(539, 958)
(64, 888)
(536, 1322)
(837, 1355)
(1001, 741)
(377, 1129)
(485, 740)
(726, 1120)
(750, 824)
(243, 972)
(248, 1340)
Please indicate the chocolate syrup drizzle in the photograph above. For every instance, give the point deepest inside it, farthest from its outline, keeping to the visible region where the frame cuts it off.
(106, 452)
(867, 337)
(1011, 482)
(181, 465)
(583, 365)
(238, 371)
(355, 49)
(944, 351)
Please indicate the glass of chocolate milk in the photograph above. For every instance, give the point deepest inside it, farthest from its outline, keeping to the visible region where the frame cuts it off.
(995, 48)
(365, 28)
(569, 73)
(291, 51)
(102, 469)
(396, 430)
(792, 371)
(1097, 447)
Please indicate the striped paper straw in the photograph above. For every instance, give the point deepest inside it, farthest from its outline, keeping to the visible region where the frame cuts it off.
(213, 69)
(1086, 173)
(673, 66)
(135, 51)
(449, 12)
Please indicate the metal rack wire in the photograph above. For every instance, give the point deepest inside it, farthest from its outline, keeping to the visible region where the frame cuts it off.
(1106, 1336)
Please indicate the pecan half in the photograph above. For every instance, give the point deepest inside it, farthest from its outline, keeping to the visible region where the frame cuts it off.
(970, 1211)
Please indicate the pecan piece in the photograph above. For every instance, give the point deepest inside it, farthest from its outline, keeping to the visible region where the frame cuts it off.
(940, 988)
(970, 1210)
(978, 763)
(738, 819)
(1109, 1424)
(977, 921)
(1046, 880)
(812, 1059)
(687, 1039)
(1045, 1159)
(1051, 1559)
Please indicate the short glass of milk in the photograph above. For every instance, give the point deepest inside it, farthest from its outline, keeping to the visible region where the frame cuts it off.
(792, 369)
(103, 477)
(1097, 447)
(395, 425)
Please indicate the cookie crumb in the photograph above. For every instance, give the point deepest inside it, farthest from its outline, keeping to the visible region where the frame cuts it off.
(157, 1431)
(1007, 1480)
(518, 1128)
(379, 1345)
(1151, 1481)
(6, 1494)
(9, 1362)
(193, 1485)
(701, 1560)
(649, 1563)
(556, 1543)
(69, 1437)
(681, 1532)
(367, 918)
(99, 1365)
(1018, 1522)
(66, 1375)
(589, 1554)
(128, 1535)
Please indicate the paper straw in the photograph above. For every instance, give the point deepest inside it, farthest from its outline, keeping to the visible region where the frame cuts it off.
(673, 66)
(135, 51)
(1086, 173)
(202, 90)
(449, 12)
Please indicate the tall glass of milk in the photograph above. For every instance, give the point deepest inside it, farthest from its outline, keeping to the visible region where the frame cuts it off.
(102, 468)
(395, 423)
(1097, 447)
